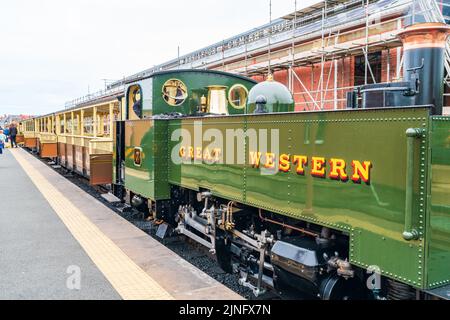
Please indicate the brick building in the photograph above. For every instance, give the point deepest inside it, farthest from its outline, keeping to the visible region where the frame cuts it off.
(320, 52)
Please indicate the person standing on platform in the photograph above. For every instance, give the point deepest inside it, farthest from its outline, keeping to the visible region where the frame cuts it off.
(2, 141)
(13, 135)
(6, 133)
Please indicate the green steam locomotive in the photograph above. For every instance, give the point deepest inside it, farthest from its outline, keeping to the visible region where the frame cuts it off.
(348, 204)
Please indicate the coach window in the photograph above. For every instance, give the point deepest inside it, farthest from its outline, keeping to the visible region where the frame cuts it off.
(63, 124)
(76, 124)
(88, 123)
(134, 103)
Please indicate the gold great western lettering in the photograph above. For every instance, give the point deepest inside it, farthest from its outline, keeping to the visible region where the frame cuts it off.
(200, 154)
(320, 167)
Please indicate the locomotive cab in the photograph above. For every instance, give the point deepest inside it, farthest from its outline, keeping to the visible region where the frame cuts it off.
(140, 164)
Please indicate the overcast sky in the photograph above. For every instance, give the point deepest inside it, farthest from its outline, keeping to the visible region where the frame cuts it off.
(52, 51)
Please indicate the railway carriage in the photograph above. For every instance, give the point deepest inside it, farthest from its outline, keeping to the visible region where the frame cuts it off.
(79, 139)
(27, 129)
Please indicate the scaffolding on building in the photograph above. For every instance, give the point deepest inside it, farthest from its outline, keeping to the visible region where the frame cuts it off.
(324, 33)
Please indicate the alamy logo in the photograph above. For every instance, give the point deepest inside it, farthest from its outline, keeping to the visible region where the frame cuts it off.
(374, 280)
(74, 280)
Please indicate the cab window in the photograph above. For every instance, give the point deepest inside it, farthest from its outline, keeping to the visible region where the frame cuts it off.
(174, 92)
(238, 96)
(134, 103)
(217, 99)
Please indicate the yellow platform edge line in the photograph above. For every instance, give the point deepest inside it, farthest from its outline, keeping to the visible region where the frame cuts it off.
(126, 277)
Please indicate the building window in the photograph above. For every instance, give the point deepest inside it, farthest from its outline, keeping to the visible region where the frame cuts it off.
(360, 67)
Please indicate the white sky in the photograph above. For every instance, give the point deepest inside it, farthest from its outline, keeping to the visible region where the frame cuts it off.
(51, 51)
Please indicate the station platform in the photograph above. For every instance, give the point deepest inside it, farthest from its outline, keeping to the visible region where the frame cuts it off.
(58, 242)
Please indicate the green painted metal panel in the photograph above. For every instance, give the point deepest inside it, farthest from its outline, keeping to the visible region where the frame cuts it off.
(197, 83)
(438, 257)
(375, 208)
(139, 179)
(114, 155)
(396, 259)
(149, 178)
(161, 160)
(224, 180)
(372, 214)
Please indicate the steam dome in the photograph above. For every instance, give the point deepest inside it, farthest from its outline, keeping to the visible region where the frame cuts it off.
(278, 97)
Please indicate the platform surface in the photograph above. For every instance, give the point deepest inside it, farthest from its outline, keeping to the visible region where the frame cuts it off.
(51, 232)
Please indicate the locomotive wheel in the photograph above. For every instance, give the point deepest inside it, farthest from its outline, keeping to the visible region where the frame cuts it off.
(338, 288)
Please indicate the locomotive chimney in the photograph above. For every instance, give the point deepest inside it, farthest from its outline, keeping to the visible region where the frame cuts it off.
(424, 47)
